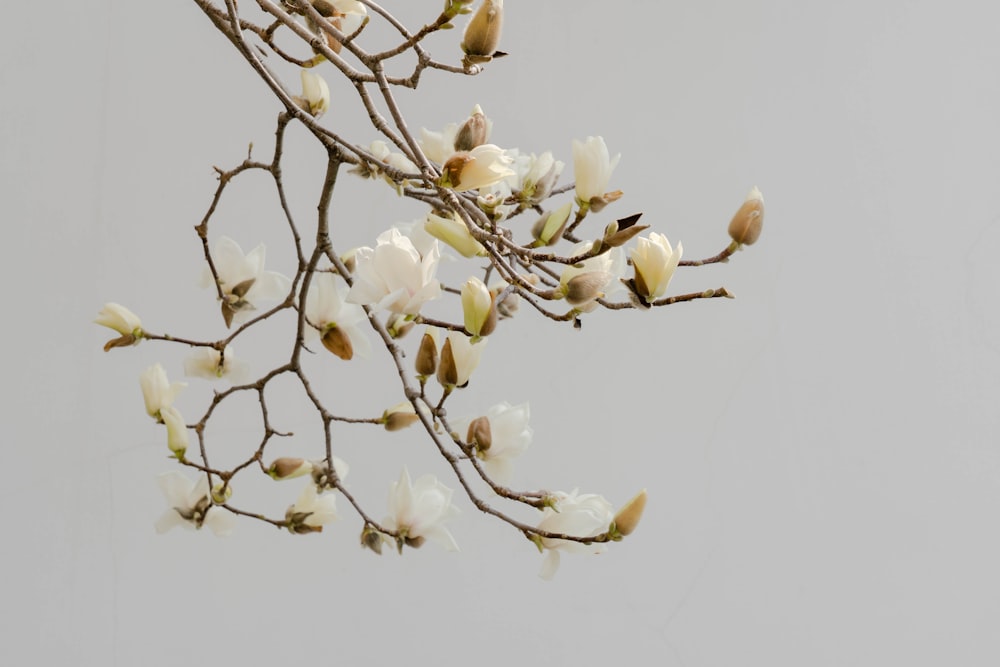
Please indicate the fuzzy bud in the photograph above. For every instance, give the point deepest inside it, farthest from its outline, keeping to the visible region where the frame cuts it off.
(427, 356)
(474, 131)
(585, 287)
(746, 225)
(447, 371)
(628, 516)
(338, 342)
(480, 435)
(288, 467)
(482, 35)
(399, 417)
(478, 308)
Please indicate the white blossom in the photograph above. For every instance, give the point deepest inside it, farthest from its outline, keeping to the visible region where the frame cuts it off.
(243, 280)
(191, 505)
(157, 391)
(316, 93)
(311, 511)
(578, 515)
(510, 434)
(119, 318)
(483, 166)
(654, 261)
(592, 168)
(419, 510)
(394, 276)
(329, 316)
(209, 364)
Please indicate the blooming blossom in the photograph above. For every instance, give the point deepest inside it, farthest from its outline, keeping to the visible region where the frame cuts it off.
(157, 391)
(333, 320)
(592, 168)
(510, 436)
(209, 364)
(243, 280)
(191, 505)
(311, 511)
(394, 276)
(654, 261)
(579, 515)
(419, 510)
(124, 321)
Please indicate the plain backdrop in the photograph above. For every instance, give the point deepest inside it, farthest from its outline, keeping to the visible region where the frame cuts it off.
(821, 453)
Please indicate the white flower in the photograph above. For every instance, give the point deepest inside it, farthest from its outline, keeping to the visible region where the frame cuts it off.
(394, 276)
(316, 93)
(191, 505)
(177, 432)
(592, 168)
(124, 321)
(477, 308)
(243, 280)
(311, 511)
(209, 364)
(157, 391)
(578, 515)
(334, 321)
(654, 261)
(121, 319)
(510, 436)
(454, 232)
(482, 166)
(537, 175)
(418, 511)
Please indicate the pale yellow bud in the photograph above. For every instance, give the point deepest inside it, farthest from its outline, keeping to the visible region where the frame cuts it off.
(746, 225)
(549, 228)
(628, 516)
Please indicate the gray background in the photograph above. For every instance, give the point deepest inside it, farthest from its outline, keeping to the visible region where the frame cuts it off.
(821, 453)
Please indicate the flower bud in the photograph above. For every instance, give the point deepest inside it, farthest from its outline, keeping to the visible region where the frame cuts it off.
(372, 539)
(746, 225)
(478, 309)
(447, 371)
(585, 287)
(480, 435)
(621, 231)
(452, 230)
(598, 203)
(482, 35)
(177, 433)
(549, 228)
(338, 342)
(399, 416)
(427, 356)
(315, 93)
(288, 467)
(628, 516)
(474, 131)
(124, 321)
(221, 493)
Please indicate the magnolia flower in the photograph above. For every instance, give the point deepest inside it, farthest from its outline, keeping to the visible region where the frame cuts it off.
(311, 511)
(315, 94)
(209, 364)
(124, 321)
(459, 357)
(477, 307)
(418, 511)
(510, 436)
(453, 231)
(177, 432)
(537, 175)
(593, 278)
(157, 391)
(439, 146)
(579, 515)
(334, 321)
(243, 280)
(191, 505)
(482, 166)
(394, 276)
(592, 168)
(654, 261)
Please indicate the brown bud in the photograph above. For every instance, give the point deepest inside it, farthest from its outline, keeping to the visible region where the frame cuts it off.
(397, 421)
(482, 35)
(473, 131)
(427, 356)
(628, 516)
(338, 342)
(121, 341)
(288, 467)
(621, 231)
(746, 225)
(447, 371)
(480, 435)
(598, 203)
(585, 287)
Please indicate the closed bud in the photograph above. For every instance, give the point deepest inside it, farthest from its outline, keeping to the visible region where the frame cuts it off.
(339, 343)
(427, 356)
(598, 203)
(628, 516)
(447, 372)
(480, 435)
(620, 232)
(221, 493)
(399, 416)
(372, 539)
(288, 467)
(478, 309)
(474, 131)
(453, 231)
(746, 225)
(549, 228)
(482, 35)
(585, 287)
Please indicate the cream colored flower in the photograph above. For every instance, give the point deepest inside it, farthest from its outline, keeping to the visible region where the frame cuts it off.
(654, 261)
(157, 391)
(209, 364)
(333, 320)
(311, 511)
(576, 515)
(243, 280)
(315, 93)
(419, 510)
(484, 165)
(477, 308)
(394, 276)
(191, 505)
(454, 233)
(592, 167)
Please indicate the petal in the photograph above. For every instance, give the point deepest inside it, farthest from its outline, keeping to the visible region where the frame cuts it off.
(549, 565)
